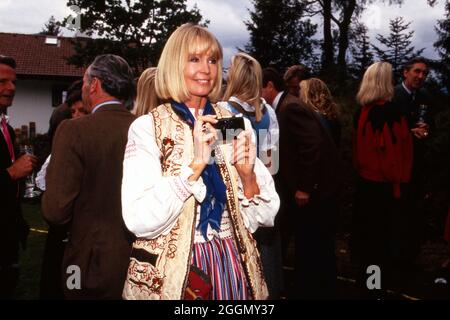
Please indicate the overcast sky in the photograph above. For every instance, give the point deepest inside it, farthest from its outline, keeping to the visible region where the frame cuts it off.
(227, 19)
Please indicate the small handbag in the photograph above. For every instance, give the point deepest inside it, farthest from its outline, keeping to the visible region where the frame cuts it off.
(198, 285)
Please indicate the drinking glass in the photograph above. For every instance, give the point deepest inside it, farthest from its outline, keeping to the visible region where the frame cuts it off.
(30, 183)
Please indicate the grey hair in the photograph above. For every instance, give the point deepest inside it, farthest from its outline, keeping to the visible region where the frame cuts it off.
(117, 78)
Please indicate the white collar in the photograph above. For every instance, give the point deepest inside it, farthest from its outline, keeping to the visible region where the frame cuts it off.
(406, 88)
(105, 103)
(277, 100)
(247, 107)
(4, 116)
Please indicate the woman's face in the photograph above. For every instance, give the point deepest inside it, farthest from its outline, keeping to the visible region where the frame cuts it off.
(77, 110)
(200, 74)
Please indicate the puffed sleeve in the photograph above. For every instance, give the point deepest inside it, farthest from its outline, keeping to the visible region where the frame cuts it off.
(151, 203)
(262, 208)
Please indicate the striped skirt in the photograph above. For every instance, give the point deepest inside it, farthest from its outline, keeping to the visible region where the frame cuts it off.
(219, 259)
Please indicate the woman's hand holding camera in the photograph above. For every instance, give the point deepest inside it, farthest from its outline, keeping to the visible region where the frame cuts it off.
(244, 157)
(204, 138)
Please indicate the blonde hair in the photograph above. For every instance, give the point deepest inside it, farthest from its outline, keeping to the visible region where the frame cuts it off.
(186, 40)
(245, 81)
(376, 84)
(146, 98)
(315, 94)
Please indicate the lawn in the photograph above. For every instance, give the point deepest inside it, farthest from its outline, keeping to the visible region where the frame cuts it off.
(31, 258)
(434, 253)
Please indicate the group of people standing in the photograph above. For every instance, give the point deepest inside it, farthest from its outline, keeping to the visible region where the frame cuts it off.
(160, 207)
(390, 130)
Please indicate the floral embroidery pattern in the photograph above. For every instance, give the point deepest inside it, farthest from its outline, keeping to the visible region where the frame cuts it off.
(166, 150)
(146, 277)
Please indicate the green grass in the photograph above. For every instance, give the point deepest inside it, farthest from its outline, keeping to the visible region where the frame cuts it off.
(31, 258)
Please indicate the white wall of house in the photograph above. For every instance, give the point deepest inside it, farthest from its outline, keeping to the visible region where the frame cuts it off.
(32, 103)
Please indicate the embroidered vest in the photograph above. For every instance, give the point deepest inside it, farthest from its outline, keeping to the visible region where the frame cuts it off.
(166, 278)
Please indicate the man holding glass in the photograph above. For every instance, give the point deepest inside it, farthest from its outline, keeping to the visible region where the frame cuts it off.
(415, 104)
(12, 169)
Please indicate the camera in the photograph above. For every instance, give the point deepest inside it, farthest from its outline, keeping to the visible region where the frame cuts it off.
(230, 127)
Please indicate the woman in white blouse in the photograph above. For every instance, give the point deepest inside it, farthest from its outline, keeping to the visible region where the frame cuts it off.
(190, 209)
(243, 96)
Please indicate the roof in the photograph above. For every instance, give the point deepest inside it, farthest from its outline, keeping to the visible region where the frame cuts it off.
(36, 58)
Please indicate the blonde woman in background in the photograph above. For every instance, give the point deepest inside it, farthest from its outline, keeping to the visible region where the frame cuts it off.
(382, 225)
(243, 96)
(315, 95)
(146, 98)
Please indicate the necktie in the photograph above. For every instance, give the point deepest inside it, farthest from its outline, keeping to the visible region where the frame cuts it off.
(7, 138)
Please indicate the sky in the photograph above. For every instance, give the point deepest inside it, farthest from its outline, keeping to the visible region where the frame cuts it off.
(227, 19)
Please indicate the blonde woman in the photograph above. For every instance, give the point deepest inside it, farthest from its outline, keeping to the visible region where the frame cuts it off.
(383, 160)
(146, 98)
(189, 211)
(315, 95)
(243, 96)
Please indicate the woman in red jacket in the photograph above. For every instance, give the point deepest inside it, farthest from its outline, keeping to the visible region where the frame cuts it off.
(382, 152)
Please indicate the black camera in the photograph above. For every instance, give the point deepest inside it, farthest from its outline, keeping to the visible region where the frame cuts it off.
(229, 127)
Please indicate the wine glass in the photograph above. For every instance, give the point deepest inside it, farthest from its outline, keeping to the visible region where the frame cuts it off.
(30, 183)
(422, 113)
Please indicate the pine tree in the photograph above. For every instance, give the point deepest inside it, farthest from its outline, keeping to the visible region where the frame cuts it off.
(397, 46)
(360, 49)
(442, 46)
(52, 27)
(136, 30)
(279, 34)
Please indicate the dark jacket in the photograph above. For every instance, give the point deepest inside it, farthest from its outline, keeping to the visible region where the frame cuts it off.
(14, 228)
(409, 104)
(309, 159)
(409, 107)
(84, 180)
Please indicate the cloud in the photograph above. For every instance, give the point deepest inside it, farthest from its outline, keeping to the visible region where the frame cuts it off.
(422, 17)
(227, 19)
(23, 16)
(226, 22)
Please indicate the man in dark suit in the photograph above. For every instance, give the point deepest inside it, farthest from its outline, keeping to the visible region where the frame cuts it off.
(12, 168)
(274, 93)
(416, 104)
(84, 183)
(308, 183)
(293, 76)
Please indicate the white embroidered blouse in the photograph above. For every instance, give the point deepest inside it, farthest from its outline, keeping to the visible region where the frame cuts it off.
(151, 203)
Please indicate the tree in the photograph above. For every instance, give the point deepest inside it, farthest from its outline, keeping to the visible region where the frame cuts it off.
(341, 13)
(442, 46)
(279, 35)
(362, 55)
(136, 30)
(52, 27)
(397, 46)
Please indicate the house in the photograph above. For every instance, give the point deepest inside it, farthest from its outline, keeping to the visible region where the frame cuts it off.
(43, 75)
